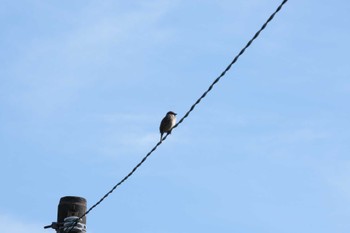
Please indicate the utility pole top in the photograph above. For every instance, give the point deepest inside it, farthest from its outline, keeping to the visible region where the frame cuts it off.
(70, 208)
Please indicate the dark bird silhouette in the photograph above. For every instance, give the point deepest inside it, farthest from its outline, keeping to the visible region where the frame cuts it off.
(167, 124)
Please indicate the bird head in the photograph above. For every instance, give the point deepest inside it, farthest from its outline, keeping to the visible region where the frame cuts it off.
(171, 113)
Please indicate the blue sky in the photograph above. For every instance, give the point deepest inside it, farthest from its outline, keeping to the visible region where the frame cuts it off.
(84, 85)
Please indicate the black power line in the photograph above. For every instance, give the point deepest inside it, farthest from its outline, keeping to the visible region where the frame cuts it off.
(187, 113)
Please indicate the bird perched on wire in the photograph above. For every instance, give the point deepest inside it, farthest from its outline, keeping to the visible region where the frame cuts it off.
(167, 124)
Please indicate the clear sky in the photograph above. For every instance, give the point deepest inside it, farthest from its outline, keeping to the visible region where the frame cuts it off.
(85, 84)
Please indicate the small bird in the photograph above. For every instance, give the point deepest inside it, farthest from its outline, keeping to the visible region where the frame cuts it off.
(167, 124)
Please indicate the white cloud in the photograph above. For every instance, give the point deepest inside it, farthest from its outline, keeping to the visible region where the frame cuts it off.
(12, 225)
(51, 69)
(301, 135)
(337, 175)
(143, 141)
(123, 118)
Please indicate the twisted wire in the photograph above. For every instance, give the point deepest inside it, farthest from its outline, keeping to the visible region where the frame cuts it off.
(186, 115)
(230, 65)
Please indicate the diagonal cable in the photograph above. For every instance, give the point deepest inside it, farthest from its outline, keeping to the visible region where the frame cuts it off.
(230, 65)
(185, 116)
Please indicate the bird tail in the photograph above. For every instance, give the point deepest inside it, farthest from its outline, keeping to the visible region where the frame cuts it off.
(161, 137)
